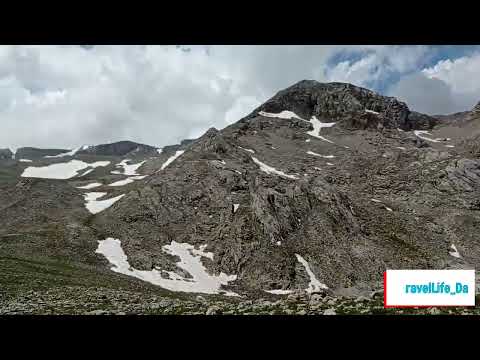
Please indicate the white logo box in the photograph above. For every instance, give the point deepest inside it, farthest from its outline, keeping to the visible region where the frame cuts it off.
(424, 288)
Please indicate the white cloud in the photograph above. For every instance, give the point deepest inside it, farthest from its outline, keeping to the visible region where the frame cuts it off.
(377, 63)
(241, 108)
(65, 96)
(447, 87)
(358, 72)
(425, 95)
(461, 74)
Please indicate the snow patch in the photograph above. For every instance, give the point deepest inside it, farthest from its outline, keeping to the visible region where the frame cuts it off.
(282, 115)
(279, 292)
(372, 112)
(421, 133)
(128, 180)
(95, 206)
(122, 182)
(314, 284)
(323, 156)
(330, 164)
(400, 147)
(308, 140)
(25, 160)
(61, 170)
(249, 150)
(129, 170)
(190, 261)
(89, 186)
(454, 251)
(159, 150)
(375, 200)
(317, 126)
(172, 159)
(449, 146)
(86, 172)
(235, 207)
(271, 170)
(387, 208)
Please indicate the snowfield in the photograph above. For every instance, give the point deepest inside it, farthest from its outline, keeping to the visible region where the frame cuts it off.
(89, 186)
(319, 155)
(421, 133)
(249, 150)
(122, 182)
(317, 127)
(279, 292)
(282, 115)
(172, 159)
(127, 180)
(61, 170)
(129, 170)
(190, 261)
(454, 251)
(314, 284)
(271, 170)
(317, 124)
(235, 207)
(95, 206)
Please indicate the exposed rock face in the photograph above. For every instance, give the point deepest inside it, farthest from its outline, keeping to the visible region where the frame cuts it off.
(5, 154)
(346, 104)
(183, 144)
(464, 174)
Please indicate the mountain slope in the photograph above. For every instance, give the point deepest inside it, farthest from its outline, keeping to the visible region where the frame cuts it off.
(350, 201)
(320, 189)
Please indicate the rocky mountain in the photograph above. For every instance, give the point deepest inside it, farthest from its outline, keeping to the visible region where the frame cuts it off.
(5, 154)
(121, 148)
(352, 107)
(309, 198)
(36, 153)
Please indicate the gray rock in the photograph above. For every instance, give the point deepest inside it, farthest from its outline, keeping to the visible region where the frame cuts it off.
(330, 311)
(213, 310)
(6, 154)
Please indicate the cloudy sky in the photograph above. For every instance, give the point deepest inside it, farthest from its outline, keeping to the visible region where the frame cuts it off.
(66, 96)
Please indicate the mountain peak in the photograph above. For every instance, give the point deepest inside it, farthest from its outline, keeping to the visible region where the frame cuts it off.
(346, 104)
